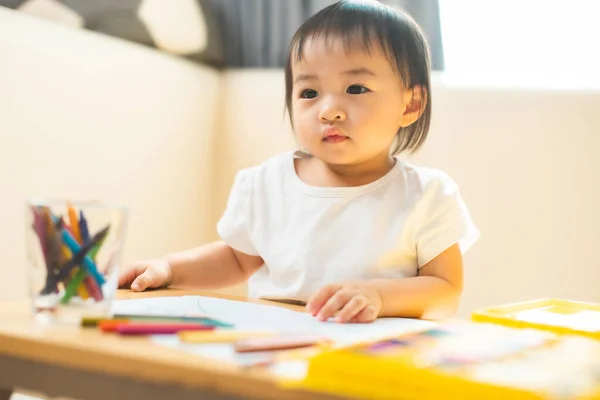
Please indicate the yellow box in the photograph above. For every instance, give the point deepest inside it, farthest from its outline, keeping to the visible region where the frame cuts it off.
(554, 315)
(462, 360)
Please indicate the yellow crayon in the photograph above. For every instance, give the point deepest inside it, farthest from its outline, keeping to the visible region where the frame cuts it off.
(220, 336)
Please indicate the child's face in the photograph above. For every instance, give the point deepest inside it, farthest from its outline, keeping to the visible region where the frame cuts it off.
(347, 107)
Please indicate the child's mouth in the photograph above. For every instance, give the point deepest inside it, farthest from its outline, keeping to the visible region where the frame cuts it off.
(335, 138)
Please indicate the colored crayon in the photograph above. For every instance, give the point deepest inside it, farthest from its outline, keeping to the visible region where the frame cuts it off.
(83, 229)
(74, 223)
(285, 342)
(54, 253)
(38, 226)
(74, 285)
(220, 336)
(79, 256)
(87, 288)
(93, 321)
(90, 266)
(167, 318)
(143, 328)
(94, 290)
(94, 251)
(82, 290)
(110, 325)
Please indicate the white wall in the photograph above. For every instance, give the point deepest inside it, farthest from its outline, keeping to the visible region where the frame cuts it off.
(525, 161)
(88, 116)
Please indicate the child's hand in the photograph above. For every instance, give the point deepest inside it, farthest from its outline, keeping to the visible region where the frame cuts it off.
(348, 301)
(146, 275)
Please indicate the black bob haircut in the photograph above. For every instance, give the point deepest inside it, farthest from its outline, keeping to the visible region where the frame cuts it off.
(363, 26)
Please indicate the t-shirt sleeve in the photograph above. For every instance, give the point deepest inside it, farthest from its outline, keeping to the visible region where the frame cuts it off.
(233, 227)
(443, 220)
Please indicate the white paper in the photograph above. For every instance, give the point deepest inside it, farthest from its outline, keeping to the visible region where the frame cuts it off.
(176, 306)
(542, 317)
(586, 321)
(583, 320)
(291, 369)
(217, 351)
(252, 316)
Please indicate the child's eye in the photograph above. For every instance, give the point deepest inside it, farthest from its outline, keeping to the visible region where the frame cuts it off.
(308, 94)
(357, 89)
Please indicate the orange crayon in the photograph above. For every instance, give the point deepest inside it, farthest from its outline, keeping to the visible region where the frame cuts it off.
(74, 223)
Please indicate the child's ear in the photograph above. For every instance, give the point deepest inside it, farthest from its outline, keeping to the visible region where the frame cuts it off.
(415, 100)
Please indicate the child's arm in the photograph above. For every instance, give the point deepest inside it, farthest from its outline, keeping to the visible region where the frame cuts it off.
(211, 266)
(435, 293)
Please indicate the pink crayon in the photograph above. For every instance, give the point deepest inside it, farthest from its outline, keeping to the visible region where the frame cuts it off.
(129, 328)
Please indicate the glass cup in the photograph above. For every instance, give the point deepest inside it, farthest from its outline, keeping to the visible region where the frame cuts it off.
(73, 252)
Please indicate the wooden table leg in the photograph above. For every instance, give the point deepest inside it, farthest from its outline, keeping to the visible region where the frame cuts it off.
(5, 394)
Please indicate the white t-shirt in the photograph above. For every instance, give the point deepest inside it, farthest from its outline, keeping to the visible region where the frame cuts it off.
(312, 236)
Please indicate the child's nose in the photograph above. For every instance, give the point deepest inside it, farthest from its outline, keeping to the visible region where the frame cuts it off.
(331, 111)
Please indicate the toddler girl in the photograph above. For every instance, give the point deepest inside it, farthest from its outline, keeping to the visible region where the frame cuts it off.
(343, 224)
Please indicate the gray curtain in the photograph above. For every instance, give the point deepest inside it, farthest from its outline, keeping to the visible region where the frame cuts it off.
(257, 32)
(119, 18)
(427, 15)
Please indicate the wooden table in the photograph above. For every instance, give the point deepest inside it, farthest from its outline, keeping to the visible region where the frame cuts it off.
(88, 365)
